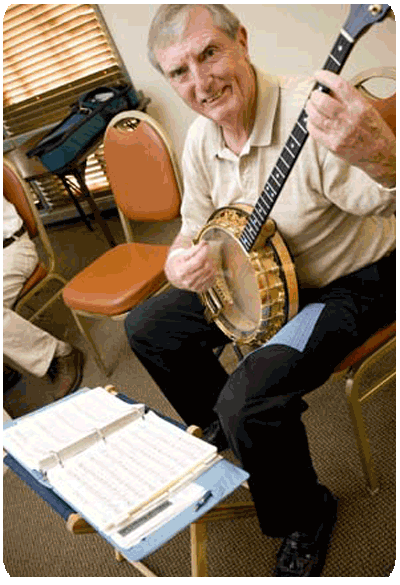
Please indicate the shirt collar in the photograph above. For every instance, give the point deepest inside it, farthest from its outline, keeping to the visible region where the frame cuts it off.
(261, 135)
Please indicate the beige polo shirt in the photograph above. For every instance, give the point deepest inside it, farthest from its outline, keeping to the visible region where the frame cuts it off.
(333, 217)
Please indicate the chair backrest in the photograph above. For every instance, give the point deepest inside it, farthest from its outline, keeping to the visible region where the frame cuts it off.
(142, 168)
(17, 192)
(386, 106)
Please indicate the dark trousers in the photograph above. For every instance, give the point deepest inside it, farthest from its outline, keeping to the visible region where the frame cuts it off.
(260, 404)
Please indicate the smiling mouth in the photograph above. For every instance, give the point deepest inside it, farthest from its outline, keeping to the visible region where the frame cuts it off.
(214, 98)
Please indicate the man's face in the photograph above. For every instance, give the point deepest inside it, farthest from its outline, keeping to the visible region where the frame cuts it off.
(211, 72)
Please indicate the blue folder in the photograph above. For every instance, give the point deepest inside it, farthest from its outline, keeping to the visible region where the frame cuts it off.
(219, 481)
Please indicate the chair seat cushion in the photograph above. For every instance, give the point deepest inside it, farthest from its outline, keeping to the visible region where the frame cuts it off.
(368, 347)
(118, 280)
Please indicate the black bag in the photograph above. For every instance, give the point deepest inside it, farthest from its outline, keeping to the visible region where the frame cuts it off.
(89, 117)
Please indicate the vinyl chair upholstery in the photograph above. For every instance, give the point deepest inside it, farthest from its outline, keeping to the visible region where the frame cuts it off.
(145, 180)
(17, 192)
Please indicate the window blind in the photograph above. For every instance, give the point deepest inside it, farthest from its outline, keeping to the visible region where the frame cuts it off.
(53, 53)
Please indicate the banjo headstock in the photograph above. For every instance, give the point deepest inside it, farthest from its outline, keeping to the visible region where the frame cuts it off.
(362, 16)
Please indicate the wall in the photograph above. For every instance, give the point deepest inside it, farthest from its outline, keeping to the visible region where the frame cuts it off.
(284, 38)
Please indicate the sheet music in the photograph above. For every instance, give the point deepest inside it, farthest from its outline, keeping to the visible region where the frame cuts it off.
(131, 470)
(52, 429)
(123, 469)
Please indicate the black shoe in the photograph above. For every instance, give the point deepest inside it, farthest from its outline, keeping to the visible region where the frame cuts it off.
(66, 373)
(303, 555)
(214, 435)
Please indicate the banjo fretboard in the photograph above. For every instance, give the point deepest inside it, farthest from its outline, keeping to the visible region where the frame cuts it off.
(290, 152)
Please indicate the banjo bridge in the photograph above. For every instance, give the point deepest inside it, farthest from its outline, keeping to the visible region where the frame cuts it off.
(219, 296)
(222, 290)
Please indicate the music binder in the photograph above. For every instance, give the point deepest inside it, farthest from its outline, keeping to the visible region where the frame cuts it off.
(192, 491)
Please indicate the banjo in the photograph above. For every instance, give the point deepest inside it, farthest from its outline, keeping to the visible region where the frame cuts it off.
(256, 292)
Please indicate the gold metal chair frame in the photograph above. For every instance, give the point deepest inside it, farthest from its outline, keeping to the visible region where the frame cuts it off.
(50, 261)
(357, 397)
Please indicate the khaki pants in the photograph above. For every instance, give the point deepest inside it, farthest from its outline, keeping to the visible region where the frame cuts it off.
(25, 344)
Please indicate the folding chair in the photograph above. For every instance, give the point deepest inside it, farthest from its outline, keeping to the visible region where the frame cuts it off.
(357, 364)
(17, 192)
(146, 184)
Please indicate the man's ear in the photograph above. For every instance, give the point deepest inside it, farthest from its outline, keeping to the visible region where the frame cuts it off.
(242, 38)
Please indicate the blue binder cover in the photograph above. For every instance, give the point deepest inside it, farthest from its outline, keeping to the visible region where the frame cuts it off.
(218, 482)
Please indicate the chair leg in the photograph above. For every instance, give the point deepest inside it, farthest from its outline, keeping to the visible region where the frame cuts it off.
(85, 331)
(36, 290)
(45, 306)
(141, 567)
(360, 433)
(198, 531)
(198, 543)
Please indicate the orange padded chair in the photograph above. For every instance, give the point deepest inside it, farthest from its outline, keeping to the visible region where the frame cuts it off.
(384, 341)
(17, 192)
(146, 185)
(357, 364)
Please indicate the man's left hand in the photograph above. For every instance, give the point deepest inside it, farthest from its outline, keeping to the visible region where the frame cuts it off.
(349, 126)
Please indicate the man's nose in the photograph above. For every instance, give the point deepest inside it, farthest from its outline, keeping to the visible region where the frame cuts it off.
(202, 78)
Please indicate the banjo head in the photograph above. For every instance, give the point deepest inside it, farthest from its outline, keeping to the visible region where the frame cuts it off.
(249, 300)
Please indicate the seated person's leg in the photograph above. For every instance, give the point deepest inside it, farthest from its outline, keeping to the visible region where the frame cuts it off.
(173, 341)
(261, 405)
(28, 346)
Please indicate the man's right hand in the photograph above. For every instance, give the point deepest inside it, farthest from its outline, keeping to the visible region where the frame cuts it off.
(191, 268)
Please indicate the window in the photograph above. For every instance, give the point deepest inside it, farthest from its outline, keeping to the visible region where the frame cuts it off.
(53, 53)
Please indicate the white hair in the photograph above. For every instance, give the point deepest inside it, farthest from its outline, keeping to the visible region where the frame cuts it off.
(171, 20)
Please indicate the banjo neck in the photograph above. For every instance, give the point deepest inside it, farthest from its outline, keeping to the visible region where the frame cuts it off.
(361, 17)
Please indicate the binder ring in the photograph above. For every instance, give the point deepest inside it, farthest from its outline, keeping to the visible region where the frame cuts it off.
(100, 434)
(57, 457)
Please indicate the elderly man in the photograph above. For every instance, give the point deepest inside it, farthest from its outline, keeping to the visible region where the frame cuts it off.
(336, 214)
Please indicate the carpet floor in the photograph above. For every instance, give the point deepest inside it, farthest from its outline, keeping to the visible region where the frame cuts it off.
(37, 544)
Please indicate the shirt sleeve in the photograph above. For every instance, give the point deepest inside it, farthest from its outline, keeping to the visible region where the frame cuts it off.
(197, 205)
(353, 191)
